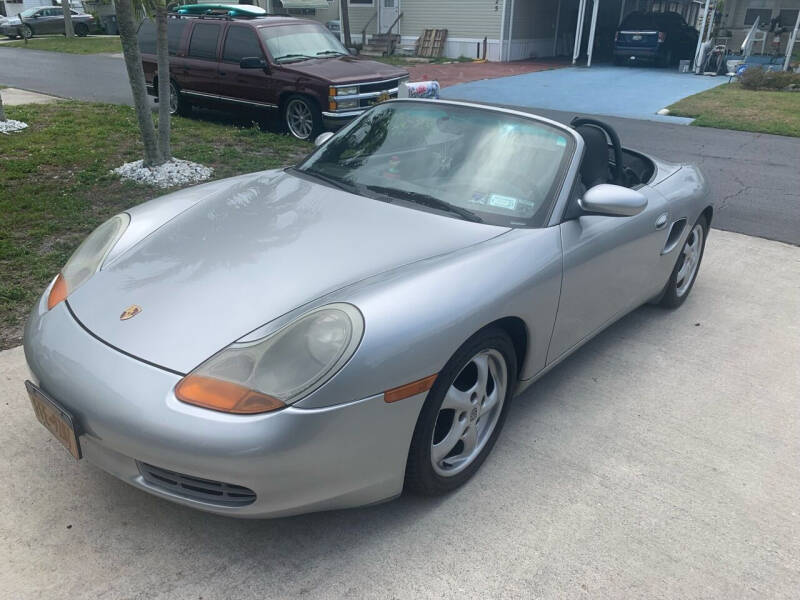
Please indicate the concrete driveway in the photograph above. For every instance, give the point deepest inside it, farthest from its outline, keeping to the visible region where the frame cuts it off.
(661, 461)
(634, 92)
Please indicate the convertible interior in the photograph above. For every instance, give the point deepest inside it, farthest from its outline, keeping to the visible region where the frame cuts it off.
(605, 160)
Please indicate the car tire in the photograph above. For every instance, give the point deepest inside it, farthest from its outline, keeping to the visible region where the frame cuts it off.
(26, 32)
(666, 59)
(431, 469)
(81, 29)
(178, 104)
(681, 281)
(302, 117)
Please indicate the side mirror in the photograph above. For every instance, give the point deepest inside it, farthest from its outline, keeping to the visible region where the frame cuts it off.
(252, 62)
(323, 137)
(613, 201)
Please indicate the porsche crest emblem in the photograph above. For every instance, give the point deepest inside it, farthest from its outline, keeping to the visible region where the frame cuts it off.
(130, 312)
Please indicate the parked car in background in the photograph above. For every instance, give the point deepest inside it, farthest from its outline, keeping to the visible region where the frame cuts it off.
(294, 67)
(663, 38)
(44, 19)
(335, 28)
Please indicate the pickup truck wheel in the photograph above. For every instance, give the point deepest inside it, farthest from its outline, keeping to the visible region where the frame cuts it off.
(81, 29)
(302, 117)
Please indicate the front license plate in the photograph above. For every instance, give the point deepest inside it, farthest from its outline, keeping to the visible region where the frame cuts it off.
(637, 38)
(57, 420)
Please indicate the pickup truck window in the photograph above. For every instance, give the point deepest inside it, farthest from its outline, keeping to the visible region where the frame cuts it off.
(204, 41)
(241, 42)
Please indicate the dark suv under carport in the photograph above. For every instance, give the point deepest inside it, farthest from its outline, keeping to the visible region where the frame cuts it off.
(663, 38)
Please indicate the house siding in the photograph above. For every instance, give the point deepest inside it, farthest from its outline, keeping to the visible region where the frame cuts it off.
(462, 19)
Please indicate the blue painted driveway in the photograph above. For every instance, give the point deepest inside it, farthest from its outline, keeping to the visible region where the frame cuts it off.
(632, 92)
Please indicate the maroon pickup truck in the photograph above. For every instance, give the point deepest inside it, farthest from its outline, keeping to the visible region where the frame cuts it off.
(294, 66)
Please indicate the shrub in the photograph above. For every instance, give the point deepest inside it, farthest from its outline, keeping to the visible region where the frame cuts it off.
(756, 78)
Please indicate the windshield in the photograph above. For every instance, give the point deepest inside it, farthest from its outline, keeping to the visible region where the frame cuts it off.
(470, 162)
(301, 42)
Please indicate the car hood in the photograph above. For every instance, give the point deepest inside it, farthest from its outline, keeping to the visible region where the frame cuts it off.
(11, 21)
(345, 69)
(247, 254)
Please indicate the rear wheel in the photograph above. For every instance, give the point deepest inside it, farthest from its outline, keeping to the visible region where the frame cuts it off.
(463, 414)
(81, 29)
(686, 268)
(302, 117)
(178, 105)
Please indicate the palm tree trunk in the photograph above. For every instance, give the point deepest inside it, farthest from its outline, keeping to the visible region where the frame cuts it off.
(69, 31)
(2, 110)
(163, 81)
(133, 63)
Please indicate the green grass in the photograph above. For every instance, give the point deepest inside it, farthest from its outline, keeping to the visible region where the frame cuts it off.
(76, 45)
(55, 185)
(730, 106)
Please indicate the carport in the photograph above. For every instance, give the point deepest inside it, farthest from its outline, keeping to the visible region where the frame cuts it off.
(582, 30)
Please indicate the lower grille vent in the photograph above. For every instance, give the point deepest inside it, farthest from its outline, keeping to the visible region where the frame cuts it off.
(204, 490)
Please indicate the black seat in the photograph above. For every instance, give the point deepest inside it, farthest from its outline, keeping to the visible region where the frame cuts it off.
(594, 167)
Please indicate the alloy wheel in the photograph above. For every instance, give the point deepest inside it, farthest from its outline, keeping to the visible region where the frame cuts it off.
(173, 99)
(469, 413)
(692, 251)
(299, 119)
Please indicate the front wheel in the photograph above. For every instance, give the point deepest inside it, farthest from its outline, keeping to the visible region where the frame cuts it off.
(686, 268)
(81, 29)
(302, 117)
(26, 32)
(463, 414)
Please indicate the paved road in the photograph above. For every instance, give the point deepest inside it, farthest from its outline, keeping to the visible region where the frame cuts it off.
(661, 461)
(754, 177)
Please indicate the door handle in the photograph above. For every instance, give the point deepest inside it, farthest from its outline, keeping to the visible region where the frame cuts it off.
(661, 221)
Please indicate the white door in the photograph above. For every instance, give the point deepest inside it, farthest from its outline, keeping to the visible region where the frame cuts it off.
(389, 9)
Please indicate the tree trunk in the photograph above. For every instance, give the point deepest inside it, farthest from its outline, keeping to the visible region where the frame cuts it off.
(133, 63)
(2, 110)
(162, 53)
(344, 17)
(69, 31)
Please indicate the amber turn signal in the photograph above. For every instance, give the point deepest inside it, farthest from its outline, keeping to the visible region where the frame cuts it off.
(409, 389)
(224, 396)
(58, 292)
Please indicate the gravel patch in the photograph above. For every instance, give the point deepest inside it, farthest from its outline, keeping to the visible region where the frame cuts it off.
(10, 126)
(171, 173)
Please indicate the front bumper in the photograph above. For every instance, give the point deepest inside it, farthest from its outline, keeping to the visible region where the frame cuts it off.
(295, 460)
(336, 120)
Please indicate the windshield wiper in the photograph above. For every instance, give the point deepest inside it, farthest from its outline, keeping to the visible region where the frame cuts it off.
(336, 52)
(335, 182)
(300, 56)
(426, 200)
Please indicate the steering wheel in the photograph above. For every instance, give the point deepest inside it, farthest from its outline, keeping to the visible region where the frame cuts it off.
(618, 172)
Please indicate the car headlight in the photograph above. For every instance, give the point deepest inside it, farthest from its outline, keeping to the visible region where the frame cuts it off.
(279, 369)
(347, 91)
(342, 104)
(88, 258)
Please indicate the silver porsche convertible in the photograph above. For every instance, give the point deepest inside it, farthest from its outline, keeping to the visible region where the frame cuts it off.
(328, 335)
